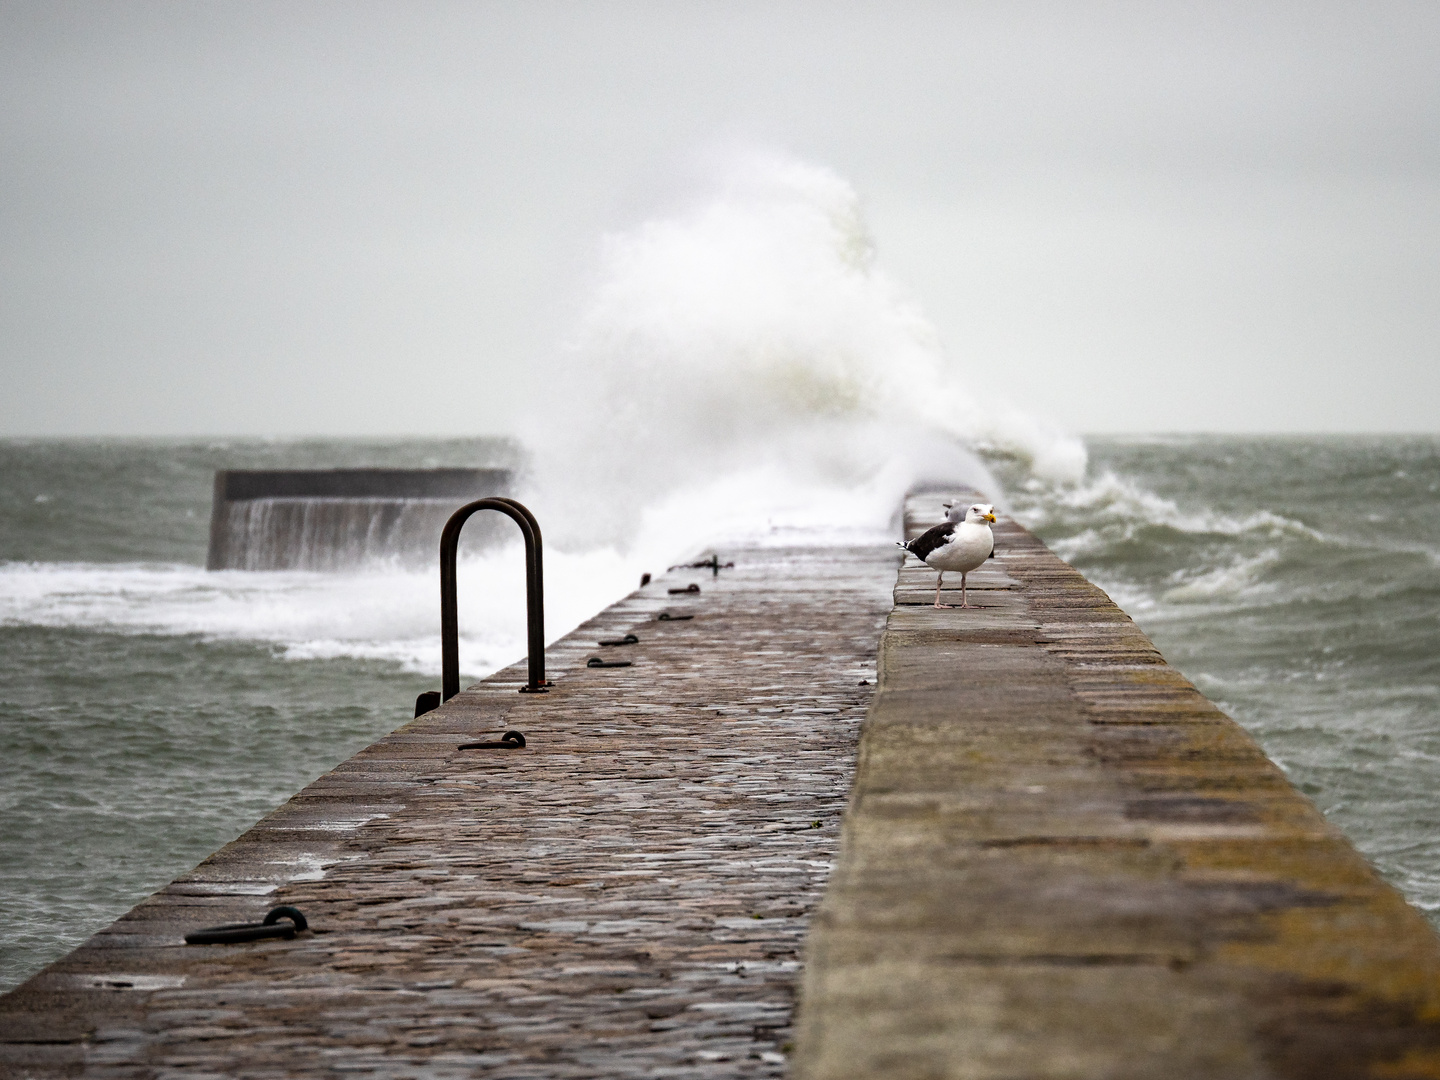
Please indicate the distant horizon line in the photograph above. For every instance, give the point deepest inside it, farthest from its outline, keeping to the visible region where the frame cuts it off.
(510, 436)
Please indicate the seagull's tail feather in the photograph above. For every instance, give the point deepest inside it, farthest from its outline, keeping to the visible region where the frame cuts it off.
(905, 544)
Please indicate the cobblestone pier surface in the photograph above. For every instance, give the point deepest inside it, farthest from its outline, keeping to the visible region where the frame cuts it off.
(626, 897)
(1061, 860)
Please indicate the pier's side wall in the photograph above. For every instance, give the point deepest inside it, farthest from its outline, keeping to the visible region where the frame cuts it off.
(1061, 860)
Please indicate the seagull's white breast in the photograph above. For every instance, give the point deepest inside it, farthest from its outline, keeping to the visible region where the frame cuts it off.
(969, 546)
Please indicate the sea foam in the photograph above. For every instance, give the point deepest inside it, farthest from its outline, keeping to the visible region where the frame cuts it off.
(745, 362)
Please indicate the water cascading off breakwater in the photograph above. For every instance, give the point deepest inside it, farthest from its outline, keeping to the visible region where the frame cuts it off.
(333, 519)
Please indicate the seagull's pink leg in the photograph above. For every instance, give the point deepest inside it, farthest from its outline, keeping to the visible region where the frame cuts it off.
(938, 582)
(963, 602)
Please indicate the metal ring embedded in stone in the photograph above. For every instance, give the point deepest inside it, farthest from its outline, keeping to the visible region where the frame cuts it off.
(511, 740)
(237, 933)
(691, 588)
(665, 616)
(595, 661)
(628, 639)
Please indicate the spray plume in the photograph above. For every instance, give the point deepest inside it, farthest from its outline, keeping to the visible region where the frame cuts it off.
(746, 360)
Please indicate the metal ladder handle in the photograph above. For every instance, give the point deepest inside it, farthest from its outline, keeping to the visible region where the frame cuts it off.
(539, 567)
(534, 598)
(534, 594)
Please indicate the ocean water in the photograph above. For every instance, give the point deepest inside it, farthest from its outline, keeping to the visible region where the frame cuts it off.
(151, 711)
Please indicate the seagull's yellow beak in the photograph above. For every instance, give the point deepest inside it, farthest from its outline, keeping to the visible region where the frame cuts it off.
(990, 518)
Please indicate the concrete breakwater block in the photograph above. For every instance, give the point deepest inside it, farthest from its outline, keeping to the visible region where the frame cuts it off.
(335, 519)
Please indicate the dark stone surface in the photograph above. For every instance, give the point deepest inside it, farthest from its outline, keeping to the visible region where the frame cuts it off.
(233, 485)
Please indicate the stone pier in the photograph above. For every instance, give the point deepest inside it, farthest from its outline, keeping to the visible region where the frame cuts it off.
(1057, 859)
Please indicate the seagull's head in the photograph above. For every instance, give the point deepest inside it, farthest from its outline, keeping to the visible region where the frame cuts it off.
(957, 512)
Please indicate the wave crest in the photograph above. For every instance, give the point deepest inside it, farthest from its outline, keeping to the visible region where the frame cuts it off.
(753, 329)
(1122, 509)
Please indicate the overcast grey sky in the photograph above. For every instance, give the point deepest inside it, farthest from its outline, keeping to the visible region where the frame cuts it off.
(374, 218)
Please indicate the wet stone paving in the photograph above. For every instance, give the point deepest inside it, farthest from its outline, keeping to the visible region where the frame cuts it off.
(627, 896)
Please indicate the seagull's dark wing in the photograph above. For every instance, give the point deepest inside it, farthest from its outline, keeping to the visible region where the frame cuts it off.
(931, 539)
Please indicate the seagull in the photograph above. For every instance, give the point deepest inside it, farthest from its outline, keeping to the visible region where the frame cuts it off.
(961, 543)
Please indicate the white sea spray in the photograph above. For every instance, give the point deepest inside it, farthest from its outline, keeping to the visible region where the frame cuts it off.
(746, 363)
